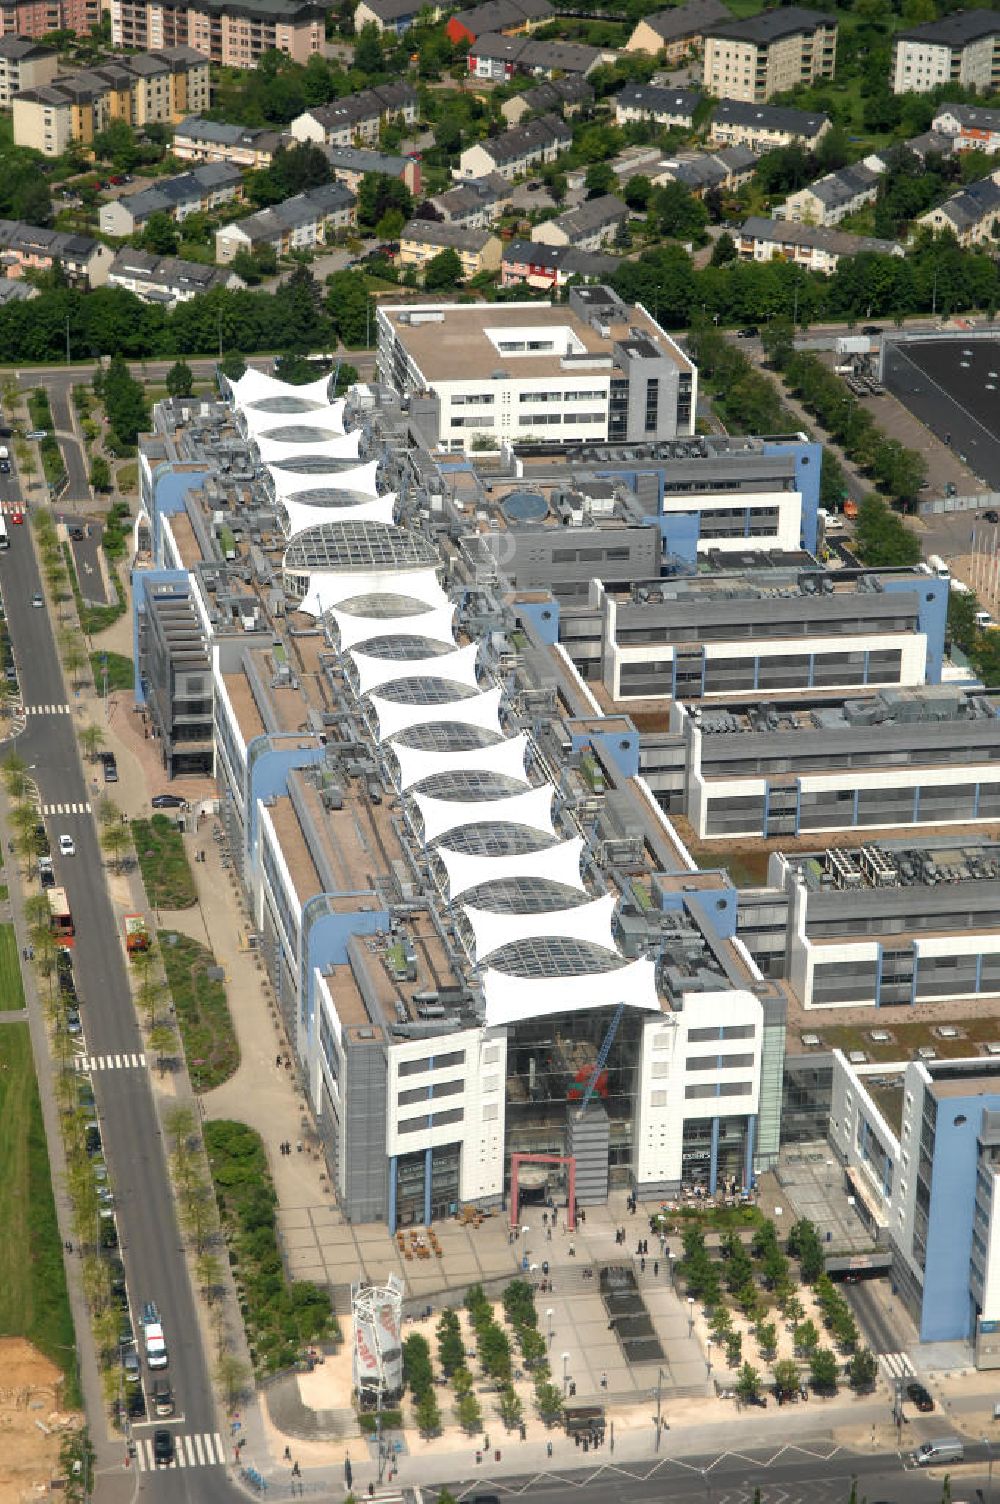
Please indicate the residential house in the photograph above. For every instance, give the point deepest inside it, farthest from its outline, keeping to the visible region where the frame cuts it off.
(833, 197)
(509, 17)
(357, 118)
(24, 64)
(16, 292)
(961, 48)
(393, 16)
(352, 163)
(476, 204)
(678, 30)
(529, 263)
(40, 18)
(567, 96)
(533, 144)
(729, 168)
(204, 188)
(591, 226)
(167, 280)
(969, 127)
(251, 147)
(300, 223)
(763, 127)
(811, 246)
(972, 214)
(25, 247)
(422, 239)
(673, 108)
(769, 53)
(233, 33)
(496, 57)
(145, 89)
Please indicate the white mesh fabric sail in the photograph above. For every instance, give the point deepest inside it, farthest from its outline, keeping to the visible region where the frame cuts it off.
(505, 758)
(476, 710)
(558, 864)
(329, 588)
(288, 484)
(434, 625)
(590, 922)
(533, 808)
(458, 667)
(345, 446)
(253, 386)
(376, 509)
(259, 421)
(510, 999)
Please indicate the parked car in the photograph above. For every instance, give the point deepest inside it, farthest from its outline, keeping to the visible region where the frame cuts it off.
(110, 767)
(163, 1448)
(991, 516)
(131, 1366)
(750, 332)
(871, 329)
(38, 600)
(919, 1396)
(168, 801)
(67, 846)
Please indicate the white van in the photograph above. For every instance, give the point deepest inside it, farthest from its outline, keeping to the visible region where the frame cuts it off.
(939, 567)
(942, 1449)
(983, 619)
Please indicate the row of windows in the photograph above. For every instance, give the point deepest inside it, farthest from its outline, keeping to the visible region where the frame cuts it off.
(718, 1062)
(434, 1120)
(719, 1089)
(428, 1093)
(431, 1063)
(562, 396)
(721, 1031)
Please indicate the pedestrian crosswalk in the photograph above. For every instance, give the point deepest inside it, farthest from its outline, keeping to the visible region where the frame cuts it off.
(47, 709)
(897, 1365)
(202, 1449)
(124, 1062)
(79, 808)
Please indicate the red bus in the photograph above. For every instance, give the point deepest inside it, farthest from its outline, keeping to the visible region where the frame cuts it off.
(60, 917)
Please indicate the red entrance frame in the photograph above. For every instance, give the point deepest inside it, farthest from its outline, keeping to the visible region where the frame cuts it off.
(517, 1160)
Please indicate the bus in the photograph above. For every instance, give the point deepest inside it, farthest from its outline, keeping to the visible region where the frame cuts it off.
(60, 917)
(4, 535)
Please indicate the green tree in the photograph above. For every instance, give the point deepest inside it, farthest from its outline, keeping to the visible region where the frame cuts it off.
(511, 1409)
(350, 308)
(159, 235)
(417, 1370)
(443, 271)
(677, 213)
(390, 226)
(117, 144)
(368, 50)
(600, 178)
(377, 194)
(748, 1384)
(428, 1413)
(724, 250)
(233, 365)
(470, 1414)
(863, 1369)
(786, 1377)
(180, 379)
(451, 1348)
(823, 1369)
(550, 1402)
(100, 473)
(806, 1338)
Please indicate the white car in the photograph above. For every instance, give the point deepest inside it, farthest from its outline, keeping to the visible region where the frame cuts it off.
(66, 846)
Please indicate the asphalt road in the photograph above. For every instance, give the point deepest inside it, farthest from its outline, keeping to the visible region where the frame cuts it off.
(74, 458)
(945, 385)
(787, 1475)
(150, 1241)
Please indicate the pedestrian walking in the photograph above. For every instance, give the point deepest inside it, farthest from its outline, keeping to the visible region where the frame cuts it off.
(642, 1266)
(288, 1454)
(656, 1268)
(548, 1449)
(278, 1061)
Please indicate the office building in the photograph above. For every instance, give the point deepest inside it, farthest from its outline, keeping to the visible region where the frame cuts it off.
(234, 33)
(769, 53)
(593, 370)
(961, 49)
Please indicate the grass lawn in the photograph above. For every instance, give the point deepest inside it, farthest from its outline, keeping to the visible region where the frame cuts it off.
(93, 619)
(11, 984)
(202, 1012)
(163, 863)
(121, 671)
(906, 1037)
(127, 475)
(33, 1299)
(747, 869)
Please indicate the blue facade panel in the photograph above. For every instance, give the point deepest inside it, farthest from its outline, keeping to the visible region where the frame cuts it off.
(808, 464)
(544, 617)
(947, 1313)
(932, 618)
(267, 774)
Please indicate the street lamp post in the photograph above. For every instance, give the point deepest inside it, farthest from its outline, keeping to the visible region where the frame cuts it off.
(659, 1405)
(690, 1314)
(708, 1355)
(525, 1256)
(550, 1313)
(671, 1257)
(989, 1477)
(565, 1363)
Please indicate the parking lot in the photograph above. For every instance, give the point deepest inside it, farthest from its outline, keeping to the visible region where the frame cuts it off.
(953, 387)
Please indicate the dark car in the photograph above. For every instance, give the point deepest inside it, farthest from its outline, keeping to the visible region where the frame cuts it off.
(991, 516)
(919, 1396)
(167, 801)
(163, 1448)
(110, 767)
(92, 1139)
(750, 332)
(871, 328)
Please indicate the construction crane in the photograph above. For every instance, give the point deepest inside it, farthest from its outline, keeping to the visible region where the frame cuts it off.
(602, 1058)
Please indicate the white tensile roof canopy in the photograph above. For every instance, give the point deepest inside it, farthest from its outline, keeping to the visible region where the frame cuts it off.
(481, 710)
(258, 420)
(504, 758)
(559, 863)
(533, 808)
(253, 386)
(376, 509)
(435, 625)
(344, 446)
(510, 999)
(290, 483)
(330, 587)
(458, 667)
(589, 923)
